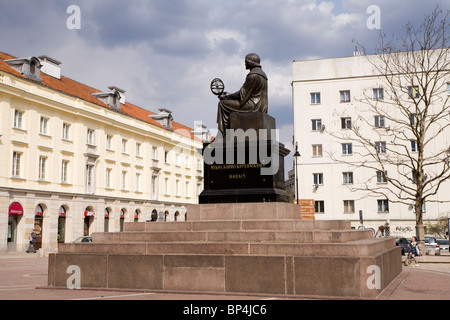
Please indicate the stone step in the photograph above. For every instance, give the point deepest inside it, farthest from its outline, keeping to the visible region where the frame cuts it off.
(284, 224)
(365, 247)
(314, 236)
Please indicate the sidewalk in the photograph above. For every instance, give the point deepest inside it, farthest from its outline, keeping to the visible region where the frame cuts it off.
(22, 274)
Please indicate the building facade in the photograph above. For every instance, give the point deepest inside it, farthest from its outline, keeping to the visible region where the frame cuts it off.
(76, 160)
(329, 98)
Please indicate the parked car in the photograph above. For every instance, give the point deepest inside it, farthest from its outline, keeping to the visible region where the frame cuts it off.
(83, 239)
(443, 244)
(431, 245)
(403, 243)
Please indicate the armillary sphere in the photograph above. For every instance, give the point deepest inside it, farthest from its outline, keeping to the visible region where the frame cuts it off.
(217, 87)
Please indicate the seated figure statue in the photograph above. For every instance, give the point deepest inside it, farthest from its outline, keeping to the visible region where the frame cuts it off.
(252, 97)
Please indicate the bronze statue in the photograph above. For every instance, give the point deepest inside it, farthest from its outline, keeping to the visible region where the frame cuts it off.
(252, 97)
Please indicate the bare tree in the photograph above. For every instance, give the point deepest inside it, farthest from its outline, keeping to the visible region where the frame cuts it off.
(408, 114)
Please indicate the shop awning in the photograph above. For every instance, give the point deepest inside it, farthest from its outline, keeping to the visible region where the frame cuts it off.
(89, 213)
(15, 209)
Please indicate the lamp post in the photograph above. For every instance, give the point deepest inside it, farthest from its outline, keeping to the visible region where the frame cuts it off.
(296, 156)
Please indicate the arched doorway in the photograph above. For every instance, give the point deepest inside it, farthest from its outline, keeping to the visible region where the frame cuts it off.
(106, 221)
(122, 218)
(39, 224)
(136, 215)
(166, 215)
(154, 216)
(89, 215)
(62, 224)
(177, 216)
(15, 214)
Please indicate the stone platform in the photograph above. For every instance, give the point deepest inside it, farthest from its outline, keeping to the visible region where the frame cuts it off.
(239, 251)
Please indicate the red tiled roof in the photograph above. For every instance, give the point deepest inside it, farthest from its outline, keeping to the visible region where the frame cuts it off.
(84, 92)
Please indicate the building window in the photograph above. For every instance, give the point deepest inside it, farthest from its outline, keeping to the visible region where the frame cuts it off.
(66, 131)
(43, 128)
(346, 123)
(109, 142)
(347, 177)
(315, 98)
(138, 182)
(187, 189)
(317, 150)
(18, 119)
(91, 137)
(188, 162)
(414, 147)
(154, 187)
(138, 149)
(166, 156)
(383, 206)
(124, 145)
(345, 96)
(177, 188)
(316, 124)
(108, 177)
(378, 94)
(349, 206)
(413, 119)
(381, 177)
(380, 147)
(42, 163)
(124, 180)
(448, 89)
(16, 164)
(166, 186)
(319, 206)
(379, 121)
(154, 153)
(89, 178)
(347, 149)
(64, 171)
(318, 179)
(413, 92)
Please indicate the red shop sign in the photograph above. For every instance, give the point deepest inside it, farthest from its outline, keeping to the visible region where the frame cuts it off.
(16, 209)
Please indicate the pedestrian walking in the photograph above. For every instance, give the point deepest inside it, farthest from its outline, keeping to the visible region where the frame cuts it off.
(32, 242)
(414, 250)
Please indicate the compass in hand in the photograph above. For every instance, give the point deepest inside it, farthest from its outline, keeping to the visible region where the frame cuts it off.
(217, 87)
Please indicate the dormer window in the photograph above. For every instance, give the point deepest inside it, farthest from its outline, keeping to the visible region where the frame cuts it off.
(164, 118)
(112, 98)
(28, 67)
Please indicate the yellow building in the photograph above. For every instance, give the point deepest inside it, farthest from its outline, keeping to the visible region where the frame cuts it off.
(76, 160)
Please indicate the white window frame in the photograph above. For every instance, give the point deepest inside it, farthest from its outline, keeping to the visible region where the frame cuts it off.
(316, 124)
(345, 96)
(347, 149)
(317, 151)
(64, 171)
(90, 137)
(16, 164)
(66, 131)
(43, 126)
(18, 119)
(315, 98)
(378, 94)
(347, 177)
(42, 167)
(380, 121)
(318, 179)
(383, 206)
(349, 206)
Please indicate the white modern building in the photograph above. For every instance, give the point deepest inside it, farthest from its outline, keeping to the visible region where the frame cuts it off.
(329, 98)
(76, 160)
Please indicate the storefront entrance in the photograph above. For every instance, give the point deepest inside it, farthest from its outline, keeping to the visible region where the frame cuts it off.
(38, 225)
(15, 213)
(62, 225)
(89, 216)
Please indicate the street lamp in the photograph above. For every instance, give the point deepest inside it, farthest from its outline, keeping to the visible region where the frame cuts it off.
(296, 156)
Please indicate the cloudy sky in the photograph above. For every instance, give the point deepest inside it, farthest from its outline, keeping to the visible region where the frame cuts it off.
(165, 53)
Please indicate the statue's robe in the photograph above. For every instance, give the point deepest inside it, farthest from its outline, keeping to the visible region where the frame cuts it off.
(252, 97)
